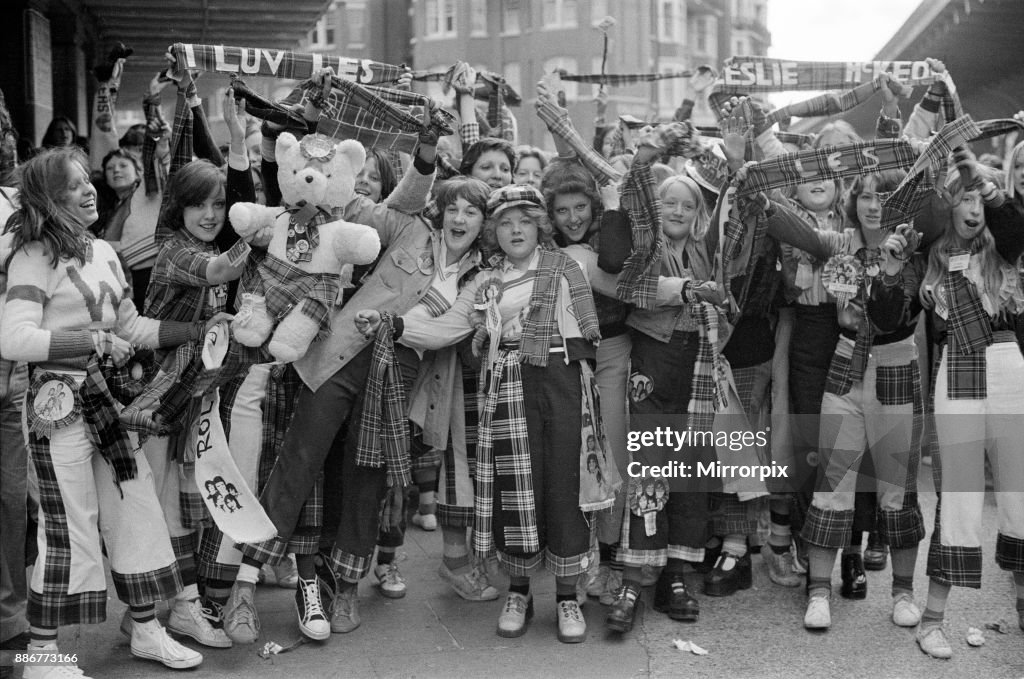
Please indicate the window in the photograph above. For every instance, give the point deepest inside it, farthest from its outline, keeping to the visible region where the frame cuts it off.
(510, 17)
(672, 21)
(322, 35)
(513, 74)
(598, 11)
(704, 35)
(355, 14)
(739, 48)
(440, 19)
(569, 64)
(559, 14)
(670, 90)
(478, 17)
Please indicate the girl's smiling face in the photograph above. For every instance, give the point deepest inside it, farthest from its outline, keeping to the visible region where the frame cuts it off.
(80, 196)
(204, 220)
(463, 222)
(678, 211)
(573, 216)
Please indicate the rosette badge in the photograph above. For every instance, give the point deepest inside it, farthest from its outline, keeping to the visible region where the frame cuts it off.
(317, 147)
(841, 276)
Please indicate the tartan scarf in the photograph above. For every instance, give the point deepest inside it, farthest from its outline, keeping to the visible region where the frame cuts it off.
(383, 429)
(154, 175)
(486, 82)
(968, 333)
(903, 204)
(303, 229)
(865, 329)
(264, 109)
(502, 434)
(375, 116)
(100, 413)
(709, 392)
(638, 282)
(539, 324)
(828, 104)
(860, 158)
(623, 79)
(280, 63)
(810, 75)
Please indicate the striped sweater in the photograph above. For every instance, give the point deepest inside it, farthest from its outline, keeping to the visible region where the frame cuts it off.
(49, 311)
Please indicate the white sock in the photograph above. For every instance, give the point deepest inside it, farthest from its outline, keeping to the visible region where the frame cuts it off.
(247, 573)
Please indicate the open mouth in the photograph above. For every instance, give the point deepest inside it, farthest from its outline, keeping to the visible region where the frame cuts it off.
(88, 205)
(495, 183)
(972, 223)
(457, 233)
(363, 190)
(208, 227)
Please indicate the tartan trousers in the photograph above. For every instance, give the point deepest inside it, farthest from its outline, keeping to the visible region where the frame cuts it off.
(82, 510)
(967, 430)
(882, 415)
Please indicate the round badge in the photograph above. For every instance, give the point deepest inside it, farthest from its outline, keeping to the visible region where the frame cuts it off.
(54, 401)
(302, 246)
(300, 229)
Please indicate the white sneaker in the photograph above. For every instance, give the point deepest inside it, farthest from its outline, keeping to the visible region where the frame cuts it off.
(905, 612)
(240, 619)
(187, 618)
(473, 585)
(151, 641)
(427, 522)
(389, 580)
(51, 671)
(818, 615)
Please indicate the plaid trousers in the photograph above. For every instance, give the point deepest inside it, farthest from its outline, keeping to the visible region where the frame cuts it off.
(883, 414)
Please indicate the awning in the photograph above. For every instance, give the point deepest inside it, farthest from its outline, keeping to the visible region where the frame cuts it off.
(150, 26)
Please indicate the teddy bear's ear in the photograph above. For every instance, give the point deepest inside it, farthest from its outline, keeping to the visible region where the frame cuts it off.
(355, 153)
(286, 143)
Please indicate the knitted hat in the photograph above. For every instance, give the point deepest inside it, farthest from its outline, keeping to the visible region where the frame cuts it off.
(513, 195)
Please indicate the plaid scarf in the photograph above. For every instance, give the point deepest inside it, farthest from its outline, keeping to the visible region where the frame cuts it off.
(264, 109)
(154, 175)
(303, 229)
(790, 169)
(539, 324)
(100, 414)
(286, 286)
(375, 116)
(638, 282)
(865, 329)
(968, 333)
(624, 79)
(828, 104)
(903, 204)
(383, 429)
(810, 75)
(709, 392)
(280, 63)
(502, 434)
(486, 83)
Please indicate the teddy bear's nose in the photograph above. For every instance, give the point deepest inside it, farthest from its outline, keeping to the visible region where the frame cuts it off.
(309, 179)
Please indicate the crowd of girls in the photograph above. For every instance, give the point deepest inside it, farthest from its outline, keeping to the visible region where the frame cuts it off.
(529, 311)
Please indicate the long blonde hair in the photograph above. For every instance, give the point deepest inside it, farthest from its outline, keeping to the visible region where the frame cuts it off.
(702, 220)
(993, 267)
(1018, 150)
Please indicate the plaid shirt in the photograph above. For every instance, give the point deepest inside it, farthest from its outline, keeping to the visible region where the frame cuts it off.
(558, 122)
(638, 282)
(178, 288)
(383, 429)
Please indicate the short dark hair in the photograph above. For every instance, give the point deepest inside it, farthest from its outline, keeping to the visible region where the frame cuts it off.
(886, 180)
(388, 177)
(475, 191)
(190, 185)
(481, 147)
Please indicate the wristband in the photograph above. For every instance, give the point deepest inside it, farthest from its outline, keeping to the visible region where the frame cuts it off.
(687, 292)
(238, 252)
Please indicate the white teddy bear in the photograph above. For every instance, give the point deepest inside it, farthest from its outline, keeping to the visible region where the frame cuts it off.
(307, 245)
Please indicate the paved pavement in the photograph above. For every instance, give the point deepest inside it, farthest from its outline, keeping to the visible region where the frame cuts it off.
(756, 633)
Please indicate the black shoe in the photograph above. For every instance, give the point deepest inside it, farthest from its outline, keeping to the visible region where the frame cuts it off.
(711, 555)
(672, 597)
(623, 612)
(723, 583)
(855, 580)
(876, 554)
